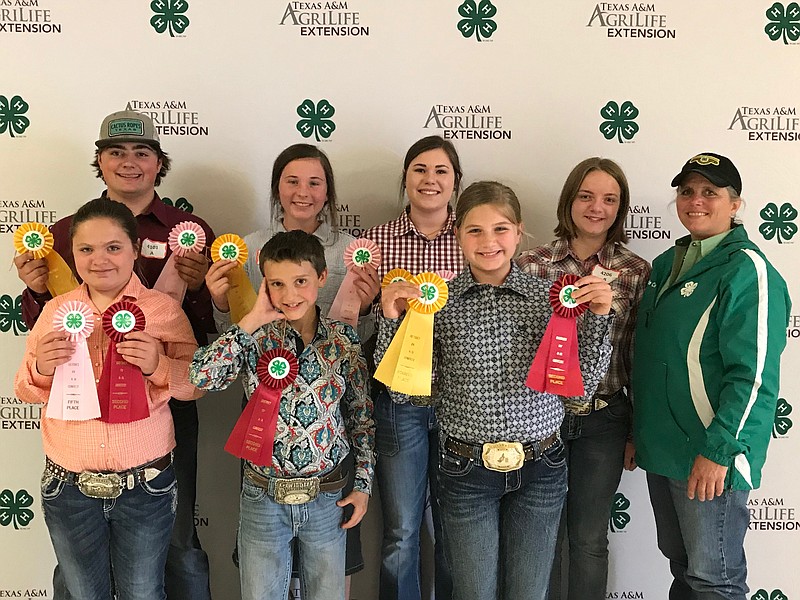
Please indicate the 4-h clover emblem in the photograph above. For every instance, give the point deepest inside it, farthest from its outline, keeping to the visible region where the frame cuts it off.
(362, 257)
(279, 367)
(688, 288)
(619, 120)
(33, 240)
(619, 517)
(566, 296)
(124, 321)
(782, 423)
(73, 321)
(778, 223)
(229, 251)
(477, 19)
(11, 115)
(169, 16)
(429, 293)
(316, 121)
(188, 239)
(11, 315)
(14, 509)
(783, 22)
(181, 203)
(763, 594)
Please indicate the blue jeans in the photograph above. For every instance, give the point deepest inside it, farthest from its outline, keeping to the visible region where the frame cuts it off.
(267, 531)
(500, 528)
(595, 446)
(128, 535)
(186, 575)
(406, 447)
(704, 541)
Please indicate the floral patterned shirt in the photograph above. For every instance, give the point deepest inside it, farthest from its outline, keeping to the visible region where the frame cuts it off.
(324, 414)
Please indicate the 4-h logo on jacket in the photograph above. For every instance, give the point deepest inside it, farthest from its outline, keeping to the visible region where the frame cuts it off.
(784, 22)
(619, 121)
(688, 288)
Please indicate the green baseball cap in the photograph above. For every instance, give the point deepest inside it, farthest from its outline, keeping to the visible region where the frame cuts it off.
(128, 126)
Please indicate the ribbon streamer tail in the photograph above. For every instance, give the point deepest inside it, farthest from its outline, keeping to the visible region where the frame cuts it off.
(241, 295)
(346, 305)
(170, 282)
(60, 279)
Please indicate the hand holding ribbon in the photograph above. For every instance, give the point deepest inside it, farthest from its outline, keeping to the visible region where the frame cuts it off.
(185, 238)
(407, 366)
(123, 396)
(73, 394)
(253, 435)
(240, 293)
(358, 255)
(36, 241)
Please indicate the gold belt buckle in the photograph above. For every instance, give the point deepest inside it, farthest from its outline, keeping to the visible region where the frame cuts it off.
(296, 491)
(100, 485)
(503, 456)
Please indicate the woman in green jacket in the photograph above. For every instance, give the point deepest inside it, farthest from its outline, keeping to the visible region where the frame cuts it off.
(711, 329)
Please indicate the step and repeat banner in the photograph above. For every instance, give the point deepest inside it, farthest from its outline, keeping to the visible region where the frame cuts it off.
(524, 89)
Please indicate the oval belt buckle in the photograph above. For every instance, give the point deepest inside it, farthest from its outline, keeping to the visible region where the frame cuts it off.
(296, 491)
(503, 456)
(100, 485)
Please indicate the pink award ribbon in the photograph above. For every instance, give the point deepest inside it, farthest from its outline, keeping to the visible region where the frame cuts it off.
(446, 274)
(73, 395)
(123, 398)
(556, 368)
(253, 435)
(358, 254)
(185, 237)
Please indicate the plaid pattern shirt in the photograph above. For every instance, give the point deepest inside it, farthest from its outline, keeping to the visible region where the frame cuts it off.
(556, 259)
(486, 337)
(404, 247)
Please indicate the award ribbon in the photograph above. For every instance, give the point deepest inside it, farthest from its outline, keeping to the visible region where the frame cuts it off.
(37, 239)
(358, 254)
(73, 394)
(241, 295)
(253, 435)
(396, 275)
(446, 274)
(185, 237)
(407, 366)
(556, 368)
(123, 398)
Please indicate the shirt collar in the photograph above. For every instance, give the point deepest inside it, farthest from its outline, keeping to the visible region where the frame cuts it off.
(516, 281)
(405, 225)
(132, 290)
(605, 255)
(157, 208)
(324, 233)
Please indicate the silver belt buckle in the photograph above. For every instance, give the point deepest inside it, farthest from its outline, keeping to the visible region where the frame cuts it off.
(100, 485)
(503, 456)
(296, 491)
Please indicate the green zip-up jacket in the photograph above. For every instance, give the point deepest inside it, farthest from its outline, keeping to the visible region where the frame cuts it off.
(707, 362)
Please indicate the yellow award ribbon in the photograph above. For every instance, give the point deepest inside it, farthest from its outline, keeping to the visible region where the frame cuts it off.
(37, 239)
(396, 275)
(241, 295)
(407, 366)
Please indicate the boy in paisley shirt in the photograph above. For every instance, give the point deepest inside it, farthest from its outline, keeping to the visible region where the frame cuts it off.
(324, 414)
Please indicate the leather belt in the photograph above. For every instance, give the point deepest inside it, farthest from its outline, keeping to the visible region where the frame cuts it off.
(501, 456)
(298, 490)
(109, 484)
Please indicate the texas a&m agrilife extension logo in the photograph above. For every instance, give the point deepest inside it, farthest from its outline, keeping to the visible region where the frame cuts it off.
(14, 213)
(767, 123)
(324, 19)
(772, 514)
(18, 415)
(26, 16)
(630, 20)
(467, 122)
(171, 117)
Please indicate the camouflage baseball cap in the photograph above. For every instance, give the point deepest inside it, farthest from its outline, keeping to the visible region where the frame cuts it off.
(128, 126)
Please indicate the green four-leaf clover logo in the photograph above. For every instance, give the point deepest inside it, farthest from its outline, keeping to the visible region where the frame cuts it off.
(74, 320)
(11, 315)
(619, 517)
(782, 423)
(169, 16)
(123, 321)
(33, 240)
(619, 120)
(14, 509)
(763, 594)
(181, 203)
(477, 19)
(188, 239)
(566, 295)
(11, 115)
(778, 223)
(783, 22)
(316, 121)
(229, 251)
(362, 257)
(278, 367)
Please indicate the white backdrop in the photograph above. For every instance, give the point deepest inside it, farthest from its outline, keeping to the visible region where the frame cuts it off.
(525, 89)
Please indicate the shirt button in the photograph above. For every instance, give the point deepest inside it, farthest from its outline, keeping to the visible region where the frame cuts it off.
(97, 381)
(102, 445)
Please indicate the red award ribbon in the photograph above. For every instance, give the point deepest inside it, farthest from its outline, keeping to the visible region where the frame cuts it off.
(358, 254)
(185, 237)
(556, 368)
(123, 398)
(253, 435)
(73, 394)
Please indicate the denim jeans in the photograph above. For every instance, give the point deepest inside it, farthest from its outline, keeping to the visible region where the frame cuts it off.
(500, 528)
(704, 541)
(595, 446)
(128, 535)
(267, 531)
(186, 575)
(407, 450)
